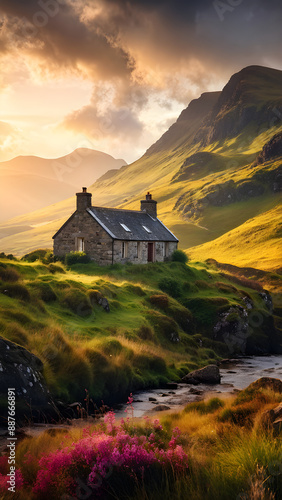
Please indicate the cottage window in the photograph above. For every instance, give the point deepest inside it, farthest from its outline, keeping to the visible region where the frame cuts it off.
(147, 229)
(124, 226)
(80, 244)
(124, 249)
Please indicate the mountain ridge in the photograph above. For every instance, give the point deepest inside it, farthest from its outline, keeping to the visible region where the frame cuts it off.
(205, 185)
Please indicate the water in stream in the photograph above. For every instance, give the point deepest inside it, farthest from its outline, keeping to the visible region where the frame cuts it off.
(235, 375)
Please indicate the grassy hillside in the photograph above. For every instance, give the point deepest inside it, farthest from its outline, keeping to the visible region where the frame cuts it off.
(208, 173)
(255, 243)
(164, 320)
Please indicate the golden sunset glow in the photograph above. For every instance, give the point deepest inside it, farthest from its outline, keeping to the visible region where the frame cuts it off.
(113, 75)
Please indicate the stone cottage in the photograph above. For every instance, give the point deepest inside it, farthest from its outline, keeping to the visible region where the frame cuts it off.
(110, 235)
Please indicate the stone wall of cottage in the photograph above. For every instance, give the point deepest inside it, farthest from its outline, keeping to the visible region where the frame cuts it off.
(100, 246)
(97, 242)
(137, 251)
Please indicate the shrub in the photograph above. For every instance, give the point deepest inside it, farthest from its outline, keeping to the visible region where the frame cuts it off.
(38, 254)
(163, 325)
(135, 462)
(145, 332)
(170, 286)
(179, 256)
(149, 362)
(44, 290)
(203, 285)
(8, 274)
(160, 301)
(48, 258)
(10, 256)
(76, 258)
(205, 309)
(136, 289)
(16, 291)
(94, 296)
(111, 347)
(241, 415)
(97, 359)
(78, 302)
(225, 288)
(183, 318)
(54, 268)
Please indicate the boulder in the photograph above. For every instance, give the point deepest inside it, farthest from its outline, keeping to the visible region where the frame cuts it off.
(197, 392)
(272, 419)
(207, 375)
(22, 371)
(277, 426)
(97, 298)
(277, 412)
(161, 408)
(105, 304)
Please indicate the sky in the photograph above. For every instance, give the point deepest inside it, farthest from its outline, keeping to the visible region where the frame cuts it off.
(113, 75)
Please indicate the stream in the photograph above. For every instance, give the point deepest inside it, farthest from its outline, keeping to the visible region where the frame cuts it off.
(237, 374)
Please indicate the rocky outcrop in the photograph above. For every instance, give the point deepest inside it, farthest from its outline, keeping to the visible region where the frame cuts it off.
(271, 149)
(22, 371)
(232, 328)
(240, 104)
(219, 195)
(207, 375)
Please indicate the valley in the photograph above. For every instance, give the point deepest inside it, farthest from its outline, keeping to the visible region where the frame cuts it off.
(215, 182)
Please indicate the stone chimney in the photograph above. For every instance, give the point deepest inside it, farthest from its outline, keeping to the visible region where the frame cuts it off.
(149, 206)
(83, 200)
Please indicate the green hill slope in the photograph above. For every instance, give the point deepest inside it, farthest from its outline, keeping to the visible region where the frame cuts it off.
(211, 172)
(255, 243)
(161, 320)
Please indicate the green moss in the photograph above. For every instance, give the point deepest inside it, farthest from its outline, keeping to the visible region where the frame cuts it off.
(205, 309)
(77, 302)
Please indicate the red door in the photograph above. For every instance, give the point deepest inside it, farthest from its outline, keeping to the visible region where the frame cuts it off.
(150, 252)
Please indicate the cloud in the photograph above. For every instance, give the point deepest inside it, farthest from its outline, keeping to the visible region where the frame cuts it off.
(120, 124)
(9, 137)
(157, 45)
(139, 54)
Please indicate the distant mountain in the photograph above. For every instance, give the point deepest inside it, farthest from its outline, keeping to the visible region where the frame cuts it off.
(216, 174)
(29, 182)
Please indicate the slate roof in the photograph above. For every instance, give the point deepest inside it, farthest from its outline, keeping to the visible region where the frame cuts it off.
(142, 226)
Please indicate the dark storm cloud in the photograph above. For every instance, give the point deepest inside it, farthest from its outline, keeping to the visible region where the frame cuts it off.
(220, 35)
(169, 49)
(52, 31)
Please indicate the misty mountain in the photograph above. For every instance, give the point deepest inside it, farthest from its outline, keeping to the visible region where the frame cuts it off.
(33, 182)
